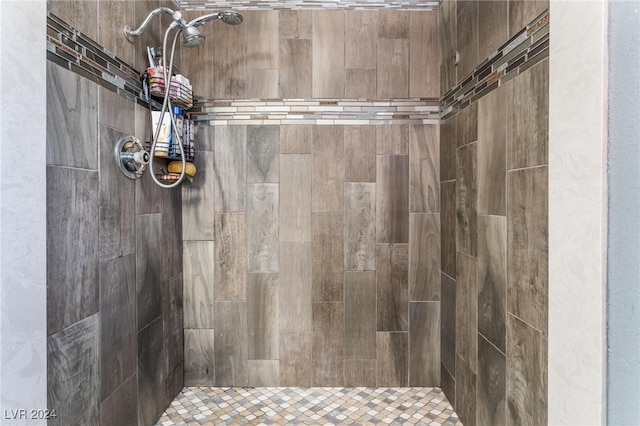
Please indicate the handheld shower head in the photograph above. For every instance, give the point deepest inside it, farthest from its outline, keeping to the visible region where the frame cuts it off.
(228, 17)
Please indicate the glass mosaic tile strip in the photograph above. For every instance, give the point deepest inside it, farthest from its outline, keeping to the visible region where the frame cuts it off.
(323, 111)
(523, 50)
(76, 52)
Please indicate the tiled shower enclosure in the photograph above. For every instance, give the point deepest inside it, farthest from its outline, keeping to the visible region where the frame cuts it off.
(320, 246)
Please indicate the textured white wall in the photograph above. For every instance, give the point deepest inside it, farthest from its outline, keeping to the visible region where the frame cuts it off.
(577, 211)
(23, 355)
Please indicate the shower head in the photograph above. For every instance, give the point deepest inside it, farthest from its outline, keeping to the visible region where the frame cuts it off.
(228, 17)
(192, 37)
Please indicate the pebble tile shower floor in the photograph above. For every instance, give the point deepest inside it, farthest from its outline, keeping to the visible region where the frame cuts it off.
(309, 406)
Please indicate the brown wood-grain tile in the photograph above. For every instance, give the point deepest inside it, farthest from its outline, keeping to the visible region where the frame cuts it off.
(296, 138)
(199, 199)
(359, 154)
(231, 344)
(112, 14)
(424, 169)
(360, 315)
(528, 117)
(359, 226)
(466, 199)
(361, 39)
(73, 373)
(262, 227)
(262, 316)
(492, 147)
(522, 12)
(360, 84)
(198, 261)
(230, 168)
(527, 370)
(295, 69)
(328, 169)
(448, 385)
(448, 324)
(465, 393)
(80, 14)
(72, 246)
(467, 311)
(424, 68)
(263, 84)
(262, 28)
(328, 261)
(448, 228)
(392, 199)
(296, 363)
(295, 287)
(263, 372)
(393, 63)
(229, 61)
(118, 356)
(295, 24)
(392, 355)
(447, 19)
(120, 408)
(392, 287)
(424, 344)
(393, 24)
(72, 119)
(328, 343)
(360, 372)
(528, 245)
(263, 165)
(149, 269)
(392, 139)
(492, 396)
(493, 25)
(492, 279)
(197, 62)
(467, 122)
(230, 247)
(424, 257)
(295, 198)
(328, 54)
(151, 372)
(199, 364)
(467, 36)
(448, 143)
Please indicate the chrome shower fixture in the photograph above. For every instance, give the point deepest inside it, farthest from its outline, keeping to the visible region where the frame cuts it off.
(191, 35)
(191, 38)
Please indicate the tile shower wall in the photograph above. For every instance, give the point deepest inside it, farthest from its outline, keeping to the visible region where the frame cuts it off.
(114, 262)
(311, 252)
(304, 54)
(312, 257)
(494, 202)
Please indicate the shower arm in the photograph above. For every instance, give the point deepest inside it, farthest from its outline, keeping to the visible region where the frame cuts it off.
(129, 32)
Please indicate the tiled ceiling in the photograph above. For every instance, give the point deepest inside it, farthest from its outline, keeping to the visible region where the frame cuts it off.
(308, 4)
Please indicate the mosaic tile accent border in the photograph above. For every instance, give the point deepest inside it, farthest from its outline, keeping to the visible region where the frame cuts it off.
(310, 4)
(314, 111)
(522, 51)
(311, 406)
(78, 53)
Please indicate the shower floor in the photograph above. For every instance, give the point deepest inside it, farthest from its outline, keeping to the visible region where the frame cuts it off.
(309, 406)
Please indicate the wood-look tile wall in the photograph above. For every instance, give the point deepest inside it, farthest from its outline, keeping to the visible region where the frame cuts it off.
(494, 210)
(114, 258)
(327, 273)
(304, 54)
